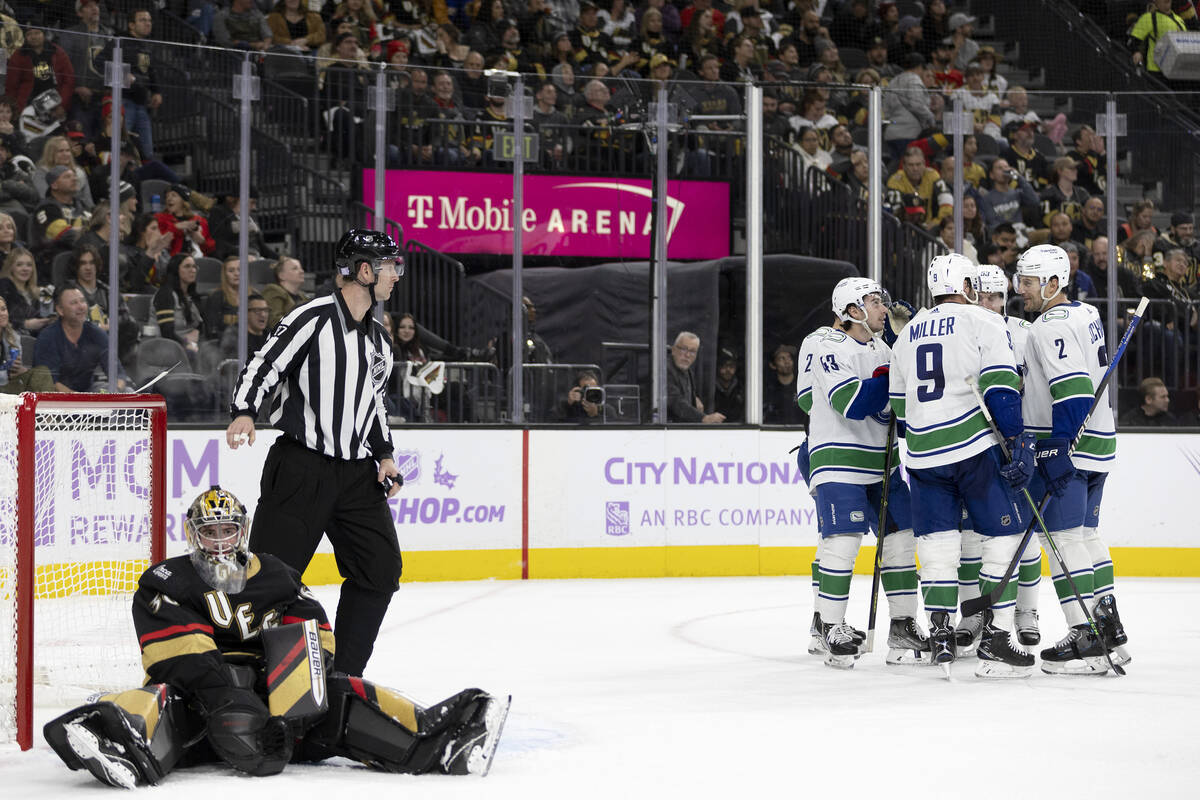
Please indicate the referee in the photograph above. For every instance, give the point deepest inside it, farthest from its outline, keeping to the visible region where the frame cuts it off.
(331, 469)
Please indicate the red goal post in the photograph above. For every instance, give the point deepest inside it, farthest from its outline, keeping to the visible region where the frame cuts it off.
(82, 515)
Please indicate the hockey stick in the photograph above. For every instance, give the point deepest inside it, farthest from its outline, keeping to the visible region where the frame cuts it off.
(882, 531)
(1037, 517)
(985, 601)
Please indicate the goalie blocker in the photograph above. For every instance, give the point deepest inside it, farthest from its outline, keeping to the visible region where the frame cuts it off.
(139, 736)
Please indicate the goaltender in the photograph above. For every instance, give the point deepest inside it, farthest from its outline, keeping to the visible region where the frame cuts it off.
(237, 650)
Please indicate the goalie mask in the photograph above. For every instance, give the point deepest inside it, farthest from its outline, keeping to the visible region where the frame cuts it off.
(218, 535)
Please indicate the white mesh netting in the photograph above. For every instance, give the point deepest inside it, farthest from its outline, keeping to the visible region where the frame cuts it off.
(92, 537)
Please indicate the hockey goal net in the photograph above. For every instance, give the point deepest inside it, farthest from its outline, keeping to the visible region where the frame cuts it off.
(81, 517)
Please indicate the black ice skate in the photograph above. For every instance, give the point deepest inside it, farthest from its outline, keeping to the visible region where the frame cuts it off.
(999, 656)
(841, 645)
(471, 750)
(1108, 620)
(906, 643)
(816, 641)
(966, 635)
(941, 640)
(1077, 653)
(105, 759)
(1027, 627)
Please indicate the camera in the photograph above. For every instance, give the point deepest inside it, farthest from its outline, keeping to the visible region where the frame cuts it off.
(594, 395)
(1013, 174)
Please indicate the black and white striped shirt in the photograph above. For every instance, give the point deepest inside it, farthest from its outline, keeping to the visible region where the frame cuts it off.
(331, 373)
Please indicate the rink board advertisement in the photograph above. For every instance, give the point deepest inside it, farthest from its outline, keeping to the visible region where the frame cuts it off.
(461, 493)
(716, 503)
(628, 502)
(463, 212)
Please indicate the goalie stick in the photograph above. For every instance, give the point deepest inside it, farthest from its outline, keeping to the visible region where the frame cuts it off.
(985, 601)
(882, 531)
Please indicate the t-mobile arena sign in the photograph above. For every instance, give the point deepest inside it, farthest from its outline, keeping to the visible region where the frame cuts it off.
(461, 212)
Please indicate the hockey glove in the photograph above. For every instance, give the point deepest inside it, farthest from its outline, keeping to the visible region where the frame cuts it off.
(1054, 465)
(1020, 466)
(243, 734)
(899, 313)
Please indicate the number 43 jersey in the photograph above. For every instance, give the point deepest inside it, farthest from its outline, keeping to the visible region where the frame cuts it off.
(847, 429)
(1065, 360)
(935, 354)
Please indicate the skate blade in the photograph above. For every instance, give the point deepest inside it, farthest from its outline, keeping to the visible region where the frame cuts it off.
(85, 745)
(946, 670)
(1093, 665)
(898, 657)
(840, 662)
(816, 646)
(480, 761)
(1120, 656)
(998, 670)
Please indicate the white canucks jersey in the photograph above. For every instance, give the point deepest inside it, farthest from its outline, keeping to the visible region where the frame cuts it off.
(1066, 358)
(934, 355)
(805, 364)
(844, 450)
(1018, 335)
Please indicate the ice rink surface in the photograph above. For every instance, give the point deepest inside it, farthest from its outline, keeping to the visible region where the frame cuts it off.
(694, 687)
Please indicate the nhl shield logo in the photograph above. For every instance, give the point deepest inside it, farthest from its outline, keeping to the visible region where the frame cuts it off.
(409, 464)
(1006, 520)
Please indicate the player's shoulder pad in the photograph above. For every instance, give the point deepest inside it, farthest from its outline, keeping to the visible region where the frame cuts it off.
(271, 563)
(172, 574)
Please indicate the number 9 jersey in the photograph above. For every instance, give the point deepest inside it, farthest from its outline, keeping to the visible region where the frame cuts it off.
(1065, 360)
(935, 354)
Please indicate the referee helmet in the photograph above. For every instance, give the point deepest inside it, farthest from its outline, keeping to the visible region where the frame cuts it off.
(359, 245)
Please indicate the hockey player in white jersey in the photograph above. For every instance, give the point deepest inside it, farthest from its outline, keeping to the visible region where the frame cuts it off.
(993, 295)
(954, 461)
(1065, 360)
(804, 376)
(847, 447)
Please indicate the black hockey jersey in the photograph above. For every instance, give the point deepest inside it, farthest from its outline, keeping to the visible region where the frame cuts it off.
(187, 629)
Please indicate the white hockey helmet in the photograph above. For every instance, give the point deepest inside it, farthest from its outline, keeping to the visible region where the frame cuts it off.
(947, 273)
(851, 291)
(1045, 261)
(993, 279)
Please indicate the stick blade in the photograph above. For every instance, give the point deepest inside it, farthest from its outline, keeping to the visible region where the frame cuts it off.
(975, 605)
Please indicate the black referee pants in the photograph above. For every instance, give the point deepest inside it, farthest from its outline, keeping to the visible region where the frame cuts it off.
(304, 495)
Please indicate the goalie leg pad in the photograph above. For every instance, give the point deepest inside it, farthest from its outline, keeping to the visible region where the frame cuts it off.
(139, 733)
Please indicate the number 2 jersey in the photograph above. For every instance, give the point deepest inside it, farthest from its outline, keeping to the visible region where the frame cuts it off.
(805, 364)
(848, 420)
(1065, 360)
(935, 354)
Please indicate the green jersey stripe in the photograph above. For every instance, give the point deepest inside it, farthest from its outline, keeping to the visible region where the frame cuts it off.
(1080, 386)
(844, 396)
(999, 377)
(943, 438)
(805, 400)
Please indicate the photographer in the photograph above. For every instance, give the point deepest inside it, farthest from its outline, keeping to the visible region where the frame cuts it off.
(16, 184)
(585, 401)
(1009, 197)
